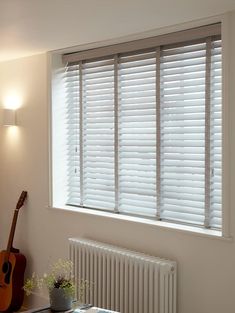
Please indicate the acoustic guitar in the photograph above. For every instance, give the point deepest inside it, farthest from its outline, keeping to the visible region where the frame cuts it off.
(12, 268)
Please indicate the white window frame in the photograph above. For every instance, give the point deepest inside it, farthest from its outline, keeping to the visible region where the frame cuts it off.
(56, 200)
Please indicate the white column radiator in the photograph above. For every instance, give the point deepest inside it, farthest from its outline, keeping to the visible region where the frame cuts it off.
(123, 280)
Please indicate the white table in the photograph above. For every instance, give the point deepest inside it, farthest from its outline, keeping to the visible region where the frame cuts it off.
(94, 310)
(75, 310)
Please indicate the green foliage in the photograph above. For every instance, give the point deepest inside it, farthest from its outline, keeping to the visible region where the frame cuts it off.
(59, 277)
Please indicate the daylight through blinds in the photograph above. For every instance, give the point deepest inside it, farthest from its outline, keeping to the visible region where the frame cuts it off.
(144, 132)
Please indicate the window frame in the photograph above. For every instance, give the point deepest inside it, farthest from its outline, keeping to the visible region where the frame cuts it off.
(55, 63)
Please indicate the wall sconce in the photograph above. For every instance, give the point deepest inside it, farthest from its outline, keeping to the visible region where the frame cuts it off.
(9, 117)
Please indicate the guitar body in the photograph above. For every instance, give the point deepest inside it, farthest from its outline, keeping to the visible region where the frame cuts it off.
(12, 268)
(11, 281)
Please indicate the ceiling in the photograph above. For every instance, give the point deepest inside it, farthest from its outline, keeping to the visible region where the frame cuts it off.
(34, 26)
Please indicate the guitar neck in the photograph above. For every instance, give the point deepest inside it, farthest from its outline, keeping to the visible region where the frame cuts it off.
(12, 232)
(20, 203)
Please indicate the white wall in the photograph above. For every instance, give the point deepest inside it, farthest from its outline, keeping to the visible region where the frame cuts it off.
(206, 278)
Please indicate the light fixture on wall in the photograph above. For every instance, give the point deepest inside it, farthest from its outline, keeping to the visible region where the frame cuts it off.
(9, 117)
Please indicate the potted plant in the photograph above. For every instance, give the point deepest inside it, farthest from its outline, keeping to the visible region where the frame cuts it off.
(60, 284)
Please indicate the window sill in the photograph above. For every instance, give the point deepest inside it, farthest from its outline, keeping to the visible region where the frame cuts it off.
(209, 233)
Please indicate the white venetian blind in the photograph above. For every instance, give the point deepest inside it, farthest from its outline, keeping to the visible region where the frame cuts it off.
(98, 134)
(72, 118)
(137, 134)
(144, 132)
(183, 72)
(216, 135)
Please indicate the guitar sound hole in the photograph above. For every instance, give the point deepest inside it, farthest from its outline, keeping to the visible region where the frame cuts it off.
(6, 269)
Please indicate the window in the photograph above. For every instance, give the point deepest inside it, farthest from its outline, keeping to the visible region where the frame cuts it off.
(143, 128)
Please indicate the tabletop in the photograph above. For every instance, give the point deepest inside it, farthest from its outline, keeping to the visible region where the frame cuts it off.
(79, 309)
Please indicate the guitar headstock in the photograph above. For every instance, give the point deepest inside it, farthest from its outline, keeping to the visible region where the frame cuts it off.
(21, 200)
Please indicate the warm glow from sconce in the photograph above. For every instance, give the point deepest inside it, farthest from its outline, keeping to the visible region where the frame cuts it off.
(12, 101)
(12, 138)
(13, 132)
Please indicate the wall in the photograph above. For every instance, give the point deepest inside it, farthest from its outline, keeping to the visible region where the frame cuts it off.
(206, 265)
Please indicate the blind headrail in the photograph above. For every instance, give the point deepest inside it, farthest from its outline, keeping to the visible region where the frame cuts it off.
(161, 40)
